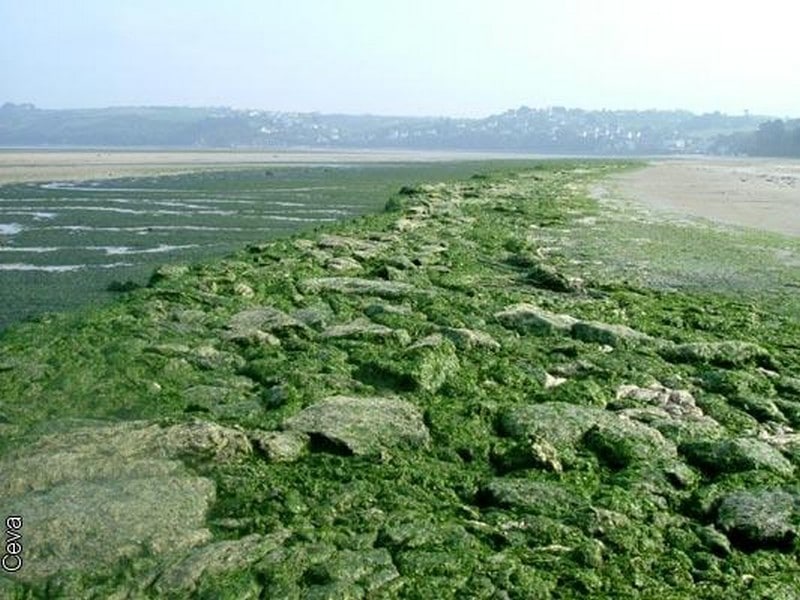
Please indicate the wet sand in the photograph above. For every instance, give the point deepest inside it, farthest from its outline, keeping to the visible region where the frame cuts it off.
(759, 193)
(81, 165)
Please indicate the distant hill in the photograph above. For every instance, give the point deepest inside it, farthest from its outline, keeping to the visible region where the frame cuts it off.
(772, 138)
(550, 130)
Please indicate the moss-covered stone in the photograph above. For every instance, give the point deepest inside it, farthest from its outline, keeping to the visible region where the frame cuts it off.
(760, 518)
(362, 426)
(527, 318)
(739, 454)
(726, 354)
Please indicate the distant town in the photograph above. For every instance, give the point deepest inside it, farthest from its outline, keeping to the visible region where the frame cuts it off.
(552, 130)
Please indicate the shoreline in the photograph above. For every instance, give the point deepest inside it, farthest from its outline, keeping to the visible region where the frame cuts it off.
(756, 193)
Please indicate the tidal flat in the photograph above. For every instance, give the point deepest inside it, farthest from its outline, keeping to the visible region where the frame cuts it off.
(502, 386)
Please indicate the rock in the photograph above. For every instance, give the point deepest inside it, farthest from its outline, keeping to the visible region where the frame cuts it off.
(362, 328)
(243, 290)
(265, 319)
(603, 333)
(360, 248)
(429, 362)
(550, 381)
(90, 524)
(356, 285)
(533, 452)
(536, 497)
(362, 426)
(758, 407)
(679, 404)
(566, 426)
(759, 519)
(527, 318)
(343, 264)
(97, 495)
(561, 424)
(214, 560)
(715, 541)
(676, 429)
(468, 338)
(725, 354)
(621, 443)
(735, 455)
(281, 446)
(546, 277)
(317, 316)
(167, 272)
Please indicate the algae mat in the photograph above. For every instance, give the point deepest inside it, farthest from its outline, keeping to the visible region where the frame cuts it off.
(491, 390)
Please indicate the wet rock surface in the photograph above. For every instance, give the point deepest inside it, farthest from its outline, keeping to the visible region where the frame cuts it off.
(362, 425)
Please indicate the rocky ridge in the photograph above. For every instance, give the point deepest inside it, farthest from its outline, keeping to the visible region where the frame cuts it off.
(425, 403)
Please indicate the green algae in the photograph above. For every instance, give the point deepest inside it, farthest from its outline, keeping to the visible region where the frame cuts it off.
(516, 485)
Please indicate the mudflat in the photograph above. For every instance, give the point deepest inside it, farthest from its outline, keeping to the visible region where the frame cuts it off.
(81, 165)
(764, 194)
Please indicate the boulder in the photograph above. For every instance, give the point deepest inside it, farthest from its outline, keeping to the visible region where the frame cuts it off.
(281, 446)
(621, 442)
(536, 497)
(429, 362)
(527, 318)
(764, 518)
(343, 263)
(735, 455)
(726, 354)
(469, 338)
(362, 426)
(362, 328)
(215, 560)
(604, 333)
(97, 495)
(679, 404)
(359, 286)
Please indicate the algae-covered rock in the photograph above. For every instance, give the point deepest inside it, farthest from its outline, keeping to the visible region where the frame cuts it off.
(527, 318)
(546, 277)
(97, 495)
(429, 362)
(92, 524)
(739, 454)
(359, 286)
(760, 518)
(281, 446)
(468, 338)
(362, 426)
(536, 497)
(207, 562)
(364, 329)
(622, 442)
(604, 333)
(561, 424)
(533, 452)
(676, 403)
(265, 319)
(726, 354)
(168, 272)
(317, 316)
(343, 263)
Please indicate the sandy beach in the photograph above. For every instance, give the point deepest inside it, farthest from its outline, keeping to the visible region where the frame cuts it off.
(759, 193)
(81, 165)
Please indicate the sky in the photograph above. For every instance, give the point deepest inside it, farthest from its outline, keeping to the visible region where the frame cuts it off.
(461, 58)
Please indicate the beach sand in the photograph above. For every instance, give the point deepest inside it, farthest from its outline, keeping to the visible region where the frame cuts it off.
(81, 165)
(758, 193)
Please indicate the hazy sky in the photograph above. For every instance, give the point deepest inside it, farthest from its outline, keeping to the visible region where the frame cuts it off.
(409, 57)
